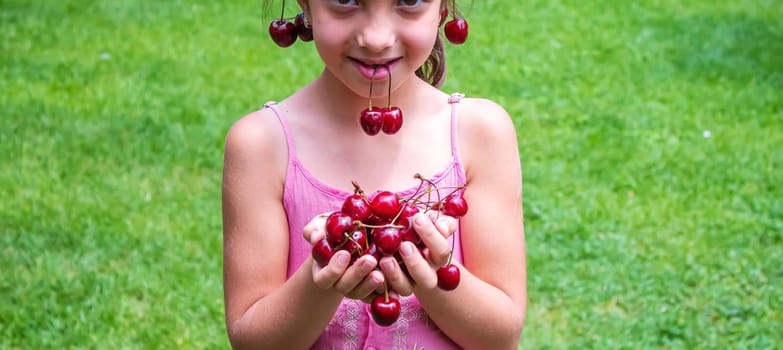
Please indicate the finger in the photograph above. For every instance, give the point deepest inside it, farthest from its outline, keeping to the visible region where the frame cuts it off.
(367, 287)
(419, 269)
(316, 236)
(315, 225)
(396, 279)
(355, 274)
(327, 276)
(445, 224)
(437, 244)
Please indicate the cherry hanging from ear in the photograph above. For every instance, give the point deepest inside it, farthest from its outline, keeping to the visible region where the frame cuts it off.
(283, 31)
(303, 27)
(456, 30)
(444, 15)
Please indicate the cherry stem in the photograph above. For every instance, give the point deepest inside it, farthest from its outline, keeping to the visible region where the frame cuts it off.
(454, 189)
(282, 10)
(352, 240)
(428, 191)
(356, 188)
(361, 224)
(372, 79)
(388, 103)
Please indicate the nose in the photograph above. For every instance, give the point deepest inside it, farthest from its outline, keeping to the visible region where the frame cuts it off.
(377, 34)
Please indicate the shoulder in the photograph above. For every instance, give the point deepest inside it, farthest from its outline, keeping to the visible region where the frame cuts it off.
(257, 130)
(256, 143)
(485, 128)
(483, 120)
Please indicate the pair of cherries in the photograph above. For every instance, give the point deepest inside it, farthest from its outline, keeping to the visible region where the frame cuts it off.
(377, 226)
(284, 32)
(375, 119)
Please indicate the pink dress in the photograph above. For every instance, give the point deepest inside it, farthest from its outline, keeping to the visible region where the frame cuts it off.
(352, 326)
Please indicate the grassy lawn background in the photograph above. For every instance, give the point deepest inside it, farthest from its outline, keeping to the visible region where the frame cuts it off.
(651, 136)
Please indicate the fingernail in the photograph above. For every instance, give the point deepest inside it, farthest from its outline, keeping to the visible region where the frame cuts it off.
(419, 219)
(368, 264)
(343, 258)
(443, 225)
(406, 249)
(388, 265)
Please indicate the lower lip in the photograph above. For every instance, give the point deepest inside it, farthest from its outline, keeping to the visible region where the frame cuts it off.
(381, 72)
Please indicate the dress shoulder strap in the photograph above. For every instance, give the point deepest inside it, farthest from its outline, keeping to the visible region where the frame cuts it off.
(280, 117)
(454, 100)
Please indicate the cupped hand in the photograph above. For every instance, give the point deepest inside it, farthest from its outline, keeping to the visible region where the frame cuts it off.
(357, 280)
(434, 229)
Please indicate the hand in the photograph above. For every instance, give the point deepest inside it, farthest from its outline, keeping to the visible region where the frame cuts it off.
(434, 229)
(354, 281)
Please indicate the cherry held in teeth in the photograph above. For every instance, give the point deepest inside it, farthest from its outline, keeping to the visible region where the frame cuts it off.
(374, 119)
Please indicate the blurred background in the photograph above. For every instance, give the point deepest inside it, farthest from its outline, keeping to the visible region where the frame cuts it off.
(651, 140)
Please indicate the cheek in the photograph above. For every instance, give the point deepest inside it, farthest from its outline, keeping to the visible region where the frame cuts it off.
(421, 43)
(328, 41)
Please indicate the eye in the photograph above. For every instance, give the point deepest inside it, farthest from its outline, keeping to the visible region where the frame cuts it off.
(410, 3)
(346, 2)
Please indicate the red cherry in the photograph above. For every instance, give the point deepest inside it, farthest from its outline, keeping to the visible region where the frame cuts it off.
(358, 239)
(392, 120)
(408, 233)
(338, 225)
(322, 252)
(456, 30)
(386, 205)
(387, 239)
(455, 205)
(385, 310)
(408, 210)
(283, 32)
(448, 277)
(357, 206)
(305, 34)
(444, 14)
(405, 220)
(376, 221)
(371, 120)
(373, 251)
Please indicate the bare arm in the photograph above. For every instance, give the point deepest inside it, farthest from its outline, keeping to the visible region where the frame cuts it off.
(263, 310)
(487, 310)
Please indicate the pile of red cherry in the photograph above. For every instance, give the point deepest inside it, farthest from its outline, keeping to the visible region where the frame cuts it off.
(376, 226)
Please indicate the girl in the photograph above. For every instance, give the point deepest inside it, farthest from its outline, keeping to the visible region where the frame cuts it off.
(295, 159)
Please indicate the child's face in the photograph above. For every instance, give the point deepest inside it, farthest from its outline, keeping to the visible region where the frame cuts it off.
(354, 36)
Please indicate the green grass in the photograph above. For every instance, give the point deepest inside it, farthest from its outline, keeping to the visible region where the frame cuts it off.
(641, 232)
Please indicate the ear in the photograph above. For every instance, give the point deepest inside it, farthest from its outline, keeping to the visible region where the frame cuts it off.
(305, 8)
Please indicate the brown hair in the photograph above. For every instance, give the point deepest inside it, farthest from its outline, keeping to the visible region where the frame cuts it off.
(433, 70)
